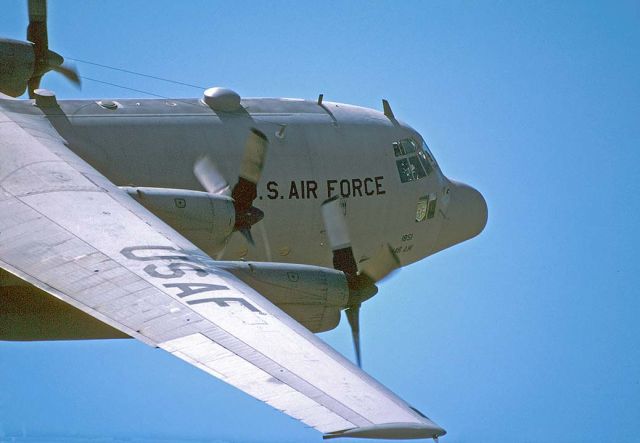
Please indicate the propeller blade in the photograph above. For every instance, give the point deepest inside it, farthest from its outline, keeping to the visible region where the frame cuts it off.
(210, 178)
(246, 233)
(362, 285)
(335, 225)
(53, 59)
(37, 29)
(69, 72)
(44, 59)
(255, 152)
(265, 241)
(381, 265)
(353, 315)
(245, 191)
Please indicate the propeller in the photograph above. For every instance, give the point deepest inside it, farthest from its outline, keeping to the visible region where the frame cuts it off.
(353, 316)
(362, 283)
(245, 190)
(45, 60)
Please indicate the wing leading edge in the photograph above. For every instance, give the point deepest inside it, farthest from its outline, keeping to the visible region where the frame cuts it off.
(69, 231)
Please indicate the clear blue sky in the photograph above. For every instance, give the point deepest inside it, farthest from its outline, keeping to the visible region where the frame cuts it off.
(527, 333)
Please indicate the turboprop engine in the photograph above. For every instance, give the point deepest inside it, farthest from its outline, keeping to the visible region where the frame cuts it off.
(22, 64)
(17, 67)
(312, 295)
(203, 218)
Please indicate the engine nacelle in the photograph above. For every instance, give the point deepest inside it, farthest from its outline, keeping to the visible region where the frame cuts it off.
(17, 63)
(312, 295)
(205, 219)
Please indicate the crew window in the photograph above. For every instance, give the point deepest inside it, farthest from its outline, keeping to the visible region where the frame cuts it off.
(409, 146)
(429, 156)
(397, 149)
(416, 168)
(410, 169)
(404, 147)
(404, 169)
(426, 164)
(412, 164)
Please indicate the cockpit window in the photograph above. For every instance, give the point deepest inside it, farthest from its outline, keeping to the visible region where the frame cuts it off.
(416, 168)
(427, 152)
(425, 163)
(397, 149)
(412, 162)
(409, 146)
(404, 169)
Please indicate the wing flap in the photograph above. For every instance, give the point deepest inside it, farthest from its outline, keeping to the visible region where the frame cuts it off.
(218, 361)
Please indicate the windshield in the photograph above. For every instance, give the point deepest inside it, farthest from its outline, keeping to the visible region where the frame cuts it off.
(427, 153)
(413, 159)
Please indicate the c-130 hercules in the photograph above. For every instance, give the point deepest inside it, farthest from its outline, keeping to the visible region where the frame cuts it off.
(223, 230)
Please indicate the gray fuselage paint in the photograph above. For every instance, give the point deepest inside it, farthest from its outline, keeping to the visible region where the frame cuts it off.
(315, 152)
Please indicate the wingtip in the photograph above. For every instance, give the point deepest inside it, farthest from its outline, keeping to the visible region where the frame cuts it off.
(391, 431)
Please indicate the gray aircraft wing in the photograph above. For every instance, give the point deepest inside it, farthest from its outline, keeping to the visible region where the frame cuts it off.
(69, 231)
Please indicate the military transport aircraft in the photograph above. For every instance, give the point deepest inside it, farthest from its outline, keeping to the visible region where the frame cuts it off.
(224, 230)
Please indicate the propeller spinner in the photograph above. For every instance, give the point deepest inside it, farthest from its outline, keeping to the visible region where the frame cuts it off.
(245, 190)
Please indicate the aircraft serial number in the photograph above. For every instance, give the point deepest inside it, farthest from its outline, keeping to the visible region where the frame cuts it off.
(311, 189)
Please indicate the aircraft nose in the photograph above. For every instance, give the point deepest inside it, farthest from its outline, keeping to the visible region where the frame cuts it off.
(466, 216)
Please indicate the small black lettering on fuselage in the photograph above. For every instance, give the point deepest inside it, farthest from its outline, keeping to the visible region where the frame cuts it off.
(312, 190)
(402, 249)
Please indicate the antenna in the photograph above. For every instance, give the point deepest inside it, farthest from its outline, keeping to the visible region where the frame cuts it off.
(387, 110)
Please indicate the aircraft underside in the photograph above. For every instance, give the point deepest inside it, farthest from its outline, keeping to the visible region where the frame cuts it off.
(30, 314)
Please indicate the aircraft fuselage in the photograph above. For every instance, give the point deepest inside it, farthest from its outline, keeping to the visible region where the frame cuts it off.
(316, 152)
(394, 192)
